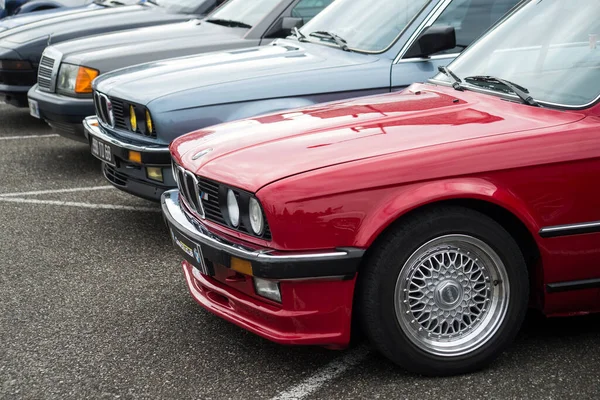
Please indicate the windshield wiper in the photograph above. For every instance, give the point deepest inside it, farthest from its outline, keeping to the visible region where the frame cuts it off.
(301, 36)
(520, 91)
(229, 22)
(456, 81)
(336, 38)
(105, 3)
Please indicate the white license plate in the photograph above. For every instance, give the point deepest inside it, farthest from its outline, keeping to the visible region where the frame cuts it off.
(34, 109)
(101, 151)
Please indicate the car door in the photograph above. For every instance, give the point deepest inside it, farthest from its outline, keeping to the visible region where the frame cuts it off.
(470, 19)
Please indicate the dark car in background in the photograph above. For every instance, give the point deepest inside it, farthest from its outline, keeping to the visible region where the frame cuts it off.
(63, 95)
(21, 47)
(16, 7)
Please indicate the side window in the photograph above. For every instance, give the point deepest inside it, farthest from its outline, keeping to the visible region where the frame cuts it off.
(471, 18)
(308, 9)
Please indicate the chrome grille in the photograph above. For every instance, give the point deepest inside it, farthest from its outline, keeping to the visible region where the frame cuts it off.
(201, 196)
(190, 191)
(45, 70)
(104, 109)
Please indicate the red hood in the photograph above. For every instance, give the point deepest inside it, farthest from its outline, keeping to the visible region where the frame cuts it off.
(255, 152)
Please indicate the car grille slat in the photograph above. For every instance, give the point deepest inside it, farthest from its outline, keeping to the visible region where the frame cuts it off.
(45, 73)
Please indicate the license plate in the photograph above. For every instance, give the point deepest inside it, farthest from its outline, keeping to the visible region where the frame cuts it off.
(192, 253)
(102, 151)
(34, 109)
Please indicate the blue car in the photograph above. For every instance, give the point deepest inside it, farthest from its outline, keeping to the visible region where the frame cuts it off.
(353, 48)
(14, 7)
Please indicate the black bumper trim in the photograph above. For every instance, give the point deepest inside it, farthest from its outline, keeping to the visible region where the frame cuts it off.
(573, 285)
(338, 263)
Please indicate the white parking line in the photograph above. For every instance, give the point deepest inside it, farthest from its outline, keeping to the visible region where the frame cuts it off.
(331, 371)
(79, 189)
(29, 137)
(77, 204)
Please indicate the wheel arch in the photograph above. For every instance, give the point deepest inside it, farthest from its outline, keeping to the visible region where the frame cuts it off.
(503, 207)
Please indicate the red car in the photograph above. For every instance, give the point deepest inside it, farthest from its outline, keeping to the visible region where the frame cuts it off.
(432, 218)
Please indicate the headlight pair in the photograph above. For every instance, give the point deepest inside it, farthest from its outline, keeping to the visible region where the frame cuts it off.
(137, 114)
(244, 211)
(74, 79)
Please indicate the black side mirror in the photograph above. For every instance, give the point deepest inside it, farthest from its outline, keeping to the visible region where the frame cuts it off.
(433, 40)
(289, 23)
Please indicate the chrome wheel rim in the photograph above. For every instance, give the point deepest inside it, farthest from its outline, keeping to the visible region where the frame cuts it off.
(452, 295)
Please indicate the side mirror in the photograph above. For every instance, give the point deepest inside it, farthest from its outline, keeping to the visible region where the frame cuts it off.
(289, 23)
(433, 40)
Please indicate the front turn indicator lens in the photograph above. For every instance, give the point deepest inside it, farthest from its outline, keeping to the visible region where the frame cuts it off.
(85, 76)
(155, 173)
(149, 124)
(15, 65)
(132, 118)
(241, 266)
(135, 156)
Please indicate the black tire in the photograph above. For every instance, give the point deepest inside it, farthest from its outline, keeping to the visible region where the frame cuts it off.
(376, 287)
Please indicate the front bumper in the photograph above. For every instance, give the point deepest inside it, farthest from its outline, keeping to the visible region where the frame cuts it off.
(316, 288)
(14, 95)
(63, 113)
(129, 176)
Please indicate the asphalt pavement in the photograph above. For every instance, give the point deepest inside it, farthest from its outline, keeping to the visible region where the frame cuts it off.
(93, 305)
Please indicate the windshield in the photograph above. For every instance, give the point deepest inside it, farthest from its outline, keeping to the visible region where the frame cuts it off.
(249, 12)
(551, 48)
(186, 6)
(366, 25)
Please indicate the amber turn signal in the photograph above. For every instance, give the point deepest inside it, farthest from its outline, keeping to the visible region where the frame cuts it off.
(135, 156)
(85, 76)
(241, 266)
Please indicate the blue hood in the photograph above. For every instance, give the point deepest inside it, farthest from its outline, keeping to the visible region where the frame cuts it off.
(287, 68)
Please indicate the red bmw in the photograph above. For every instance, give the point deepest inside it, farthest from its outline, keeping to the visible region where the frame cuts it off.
(433, 217)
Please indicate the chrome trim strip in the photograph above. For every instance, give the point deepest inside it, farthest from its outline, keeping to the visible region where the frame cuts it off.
(424, 59)
(433, 16)
(95, 131)
(176, 217)
(570, 230)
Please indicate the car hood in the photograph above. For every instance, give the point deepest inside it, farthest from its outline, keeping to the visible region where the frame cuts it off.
(28, 18)
(253, 153)
(146, 44)
(62, 27)
(216, 78)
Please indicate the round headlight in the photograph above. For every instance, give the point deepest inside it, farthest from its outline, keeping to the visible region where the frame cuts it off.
(257, 220)
(132, 118)
(233, 208)
(149, 125)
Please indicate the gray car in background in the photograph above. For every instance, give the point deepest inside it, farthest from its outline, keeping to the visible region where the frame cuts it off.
(62, 100)
(21, 47)
(353, 48)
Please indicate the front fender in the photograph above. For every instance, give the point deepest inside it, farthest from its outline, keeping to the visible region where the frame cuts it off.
(411, 197)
